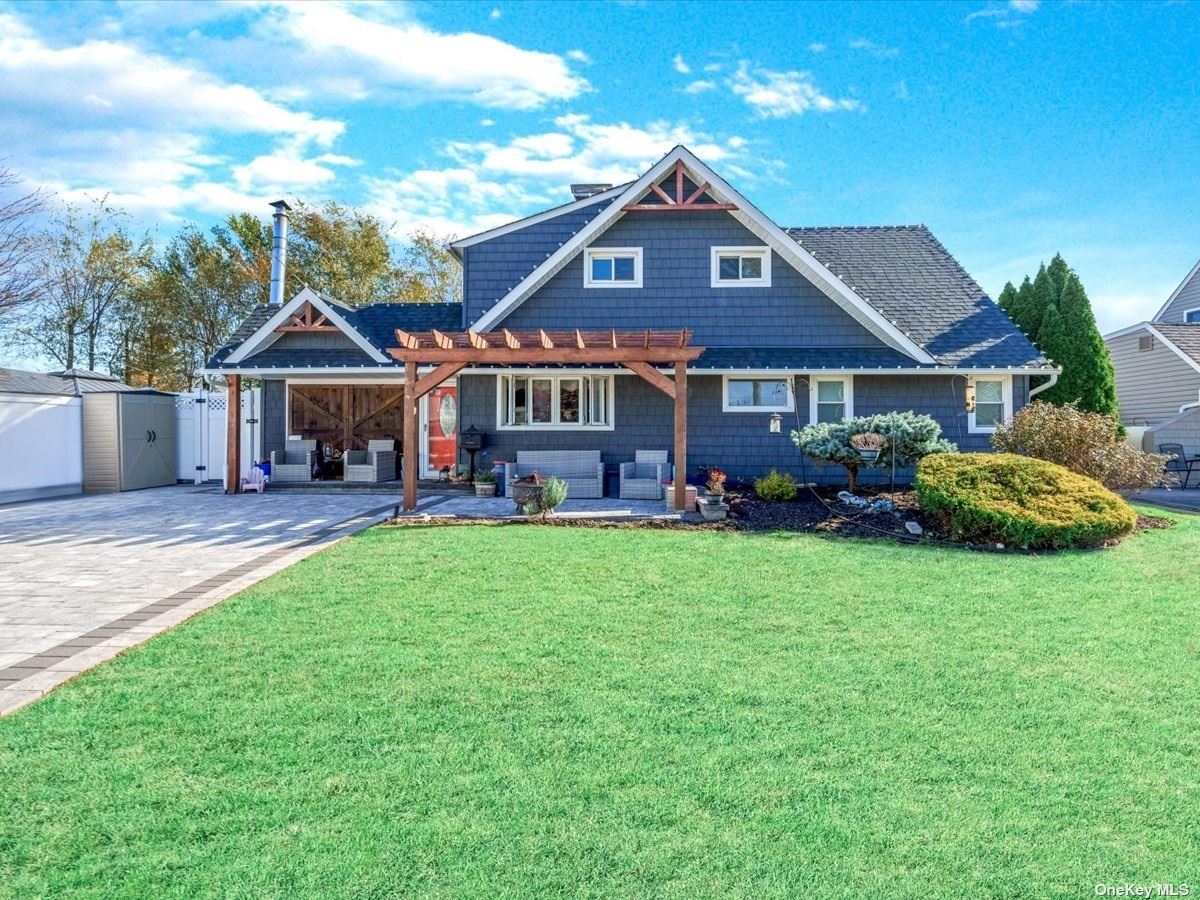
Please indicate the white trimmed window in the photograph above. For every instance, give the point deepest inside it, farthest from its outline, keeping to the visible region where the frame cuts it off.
(1191, 316)
(557, 402)
(989, 403)
(831, 398)
(757, 394)
(612, 267)
(741, 267)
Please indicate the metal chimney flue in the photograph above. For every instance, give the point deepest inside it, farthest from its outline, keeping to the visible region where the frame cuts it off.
(279, 252)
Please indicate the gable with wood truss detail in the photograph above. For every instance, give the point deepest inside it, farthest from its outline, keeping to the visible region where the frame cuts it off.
(308, 319)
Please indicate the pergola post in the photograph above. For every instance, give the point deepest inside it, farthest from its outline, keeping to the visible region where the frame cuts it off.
(233, 433)
(410, 460)
(681, 392)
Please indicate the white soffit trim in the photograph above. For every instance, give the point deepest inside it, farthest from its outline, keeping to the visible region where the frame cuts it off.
(749, 216)
(265, 335)
(1179, 290)
(1172, 347)
(555, 212)
(1121, 332)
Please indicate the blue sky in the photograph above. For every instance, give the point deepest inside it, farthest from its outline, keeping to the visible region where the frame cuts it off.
(1013, 129)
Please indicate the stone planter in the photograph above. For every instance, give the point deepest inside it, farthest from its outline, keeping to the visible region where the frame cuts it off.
(485, 489)
(689, 503)
(714, 511)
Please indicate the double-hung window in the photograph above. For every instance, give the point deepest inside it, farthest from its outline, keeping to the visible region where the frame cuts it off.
(757, 394)
(831, 398)
(612, 267)
(992, 403)
(554, 401)
(741, 267)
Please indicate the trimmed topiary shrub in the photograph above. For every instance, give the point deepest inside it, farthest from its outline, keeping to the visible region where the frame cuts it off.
(1019, 501)
(776, 487)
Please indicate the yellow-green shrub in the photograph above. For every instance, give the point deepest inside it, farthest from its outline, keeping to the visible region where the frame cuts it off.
(776, 487)
(1019, 501)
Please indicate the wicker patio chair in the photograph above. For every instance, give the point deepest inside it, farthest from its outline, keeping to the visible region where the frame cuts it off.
(295, 463)
(643, 478)
(376, 463)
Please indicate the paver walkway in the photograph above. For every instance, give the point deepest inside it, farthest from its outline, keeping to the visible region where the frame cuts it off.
(1173, 498)
(83, 578)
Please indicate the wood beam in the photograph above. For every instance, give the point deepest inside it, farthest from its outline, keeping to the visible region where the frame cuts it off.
(544, 340)
(406, 340)
(477, 340)
(348, 417)
(681, 434)
(653, 376)
(327, 329)
(233, 433)
(556, 356)
(660, 192)
(437, 376)
(580, 343)
(412, 454)
(697, 194)
(676, 207)
(510, 339)
(678, 181)
(442, 340)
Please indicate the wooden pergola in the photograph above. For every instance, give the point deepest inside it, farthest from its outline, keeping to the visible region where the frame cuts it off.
(449, 353)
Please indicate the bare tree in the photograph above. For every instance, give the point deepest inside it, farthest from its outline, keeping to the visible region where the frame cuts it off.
(19, 281)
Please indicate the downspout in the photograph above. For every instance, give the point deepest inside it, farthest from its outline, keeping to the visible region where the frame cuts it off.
(1042, 387)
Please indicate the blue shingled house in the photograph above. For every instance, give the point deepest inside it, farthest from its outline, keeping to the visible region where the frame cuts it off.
(809, 323)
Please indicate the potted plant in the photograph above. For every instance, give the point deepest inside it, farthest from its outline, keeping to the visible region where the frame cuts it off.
(553, 492)
(485, 484)
(868, 444)
(713, 507)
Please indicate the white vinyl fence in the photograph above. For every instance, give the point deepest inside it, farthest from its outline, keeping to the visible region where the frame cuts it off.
(201, 419)
(41, 446)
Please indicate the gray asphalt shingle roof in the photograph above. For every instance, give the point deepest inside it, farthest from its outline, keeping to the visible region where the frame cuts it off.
(909, 277)
(67, 383)
(1185, 337)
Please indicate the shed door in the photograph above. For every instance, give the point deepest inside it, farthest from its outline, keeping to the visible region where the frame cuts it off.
(135, 440)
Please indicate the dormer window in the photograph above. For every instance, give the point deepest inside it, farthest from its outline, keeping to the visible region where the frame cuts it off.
(1192, 316)
(612, 267)
(741, 267)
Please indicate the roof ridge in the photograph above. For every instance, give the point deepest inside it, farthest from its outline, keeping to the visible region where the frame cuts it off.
(918, 227)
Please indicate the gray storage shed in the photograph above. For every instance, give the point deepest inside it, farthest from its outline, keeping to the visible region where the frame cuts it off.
(128, 440)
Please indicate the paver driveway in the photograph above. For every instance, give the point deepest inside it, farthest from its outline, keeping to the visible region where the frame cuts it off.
(83, 578)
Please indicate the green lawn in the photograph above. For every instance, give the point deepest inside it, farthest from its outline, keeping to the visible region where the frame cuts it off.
(541, 712)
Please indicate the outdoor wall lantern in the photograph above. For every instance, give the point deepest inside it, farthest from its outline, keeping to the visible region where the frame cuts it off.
(776, 423)
(970, 398)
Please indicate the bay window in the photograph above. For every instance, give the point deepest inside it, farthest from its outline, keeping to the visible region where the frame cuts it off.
(554, 401)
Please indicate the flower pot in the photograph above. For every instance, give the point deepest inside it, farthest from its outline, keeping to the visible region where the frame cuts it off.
(714, 512)
(485, 489)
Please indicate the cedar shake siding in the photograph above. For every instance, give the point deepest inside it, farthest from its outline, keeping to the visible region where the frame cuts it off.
(676, 291)
(739, 443)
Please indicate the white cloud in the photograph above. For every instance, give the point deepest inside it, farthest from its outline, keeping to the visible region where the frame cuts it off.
(818, 47)
(579, 56)
(1005, 15)
(495, 14)
(1025, 6)
(487, 123)
(288, 171)
(712, 67)
(902, 90)
(699, 86)
(877, 50)
(777, 95)
(488, 183)
(103, 117)
(389, 49)
(680, 65)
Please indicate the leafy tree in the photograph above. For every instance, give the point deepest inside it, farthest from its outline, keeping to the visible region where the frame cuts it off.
(432, 275)
(87, 264)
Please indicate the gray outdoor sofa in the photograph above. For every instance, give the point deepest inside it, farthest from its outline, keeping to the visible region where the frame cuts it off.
(582, 470)
(295, 463)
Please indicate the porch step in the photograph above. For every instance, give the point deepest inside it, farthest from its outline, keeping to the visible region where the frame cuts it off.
(340, 487)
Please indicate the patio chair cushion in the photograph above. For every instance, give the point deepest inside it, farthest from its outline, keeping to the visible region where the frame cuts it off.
(645, 470)
(295, 457)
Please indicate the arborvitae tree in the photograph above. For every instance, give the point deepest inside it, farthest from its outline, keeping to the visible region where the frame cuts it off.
(1058, 270)
(1053, 342)
(1022, 306)
(1042, 299)
(1092, 382)
(1007, 300)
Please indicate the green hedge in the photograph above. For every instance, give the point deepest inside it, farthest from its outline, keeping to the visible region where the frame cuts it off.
(1019, 501)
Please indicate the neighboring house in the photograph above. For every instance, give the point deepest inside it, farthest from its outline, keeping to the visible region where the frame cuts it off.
(41, 430)
(813, 324)
(1157, 363)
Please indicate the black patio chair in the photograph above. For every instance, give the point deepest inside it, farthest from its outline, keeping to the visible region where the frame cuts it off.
(1178, 463)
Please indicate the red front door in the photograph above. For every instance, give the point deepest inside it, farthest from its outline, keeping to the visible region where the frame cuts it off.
(442, 416)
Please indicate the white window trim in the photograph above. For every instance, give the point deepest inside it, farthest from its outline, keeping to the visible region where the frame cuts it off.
(763, 252)
(1188, 312)
(848, 394)
(555, 377)
(1006, 383)
(635, 252)
(757, 376)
